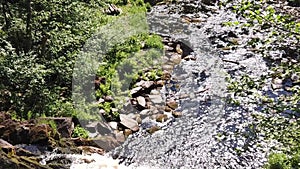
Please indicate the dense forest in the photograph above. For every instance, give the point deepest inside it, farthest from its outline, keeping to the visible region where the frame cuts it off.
(40, 41)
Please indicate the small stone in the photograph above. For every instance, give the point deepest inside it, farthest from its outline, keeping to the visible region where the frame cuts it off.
(127, 132)
(168, 109)
(160, 83)
(108, 98)
(178, 49)
(153, 129)
(175, 58)
(161, 118)
(166, 75)
(189, 57)
(176, 114)
(166, 67)
(141, 101)
(172, 104)
(120, 136)
(138, 119)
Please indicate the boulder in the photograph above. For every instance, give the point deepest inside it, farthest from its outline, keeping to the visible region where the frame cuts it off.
(64, 125)
(129, 122)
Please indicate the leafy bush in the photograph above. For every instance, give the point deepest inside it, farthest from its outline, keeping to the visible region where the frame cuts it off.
(80, 132)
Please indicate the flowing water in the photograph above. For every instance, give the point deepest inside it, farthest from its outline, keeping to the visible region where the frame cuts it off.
(193, 140)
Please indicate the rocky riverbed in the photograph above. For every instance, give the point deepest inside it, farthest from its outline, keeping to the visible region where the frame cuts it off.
(182, 119)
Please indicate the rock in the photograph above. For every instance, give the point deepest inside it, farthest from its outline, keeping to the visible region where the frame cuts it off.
(108, 98)
(178, 49)
(166, 75)
(189, 57)
(106, 143)
(120, 136)
(154, 92)
(39, 134)
(160, 83)
(176, 114)
(90, 150)
(113, 125)
(64, 125)
(175, 58)
(113, 10)
(145, 84)
(127, 132)
(136, 91)
(103, 128)
(153, 129)
(276, 84)
(161, 118)
(167, 68)
(172, 104)
(145, 112)
(138, 119)
(156, 99)
(129, 122)
(141, 101)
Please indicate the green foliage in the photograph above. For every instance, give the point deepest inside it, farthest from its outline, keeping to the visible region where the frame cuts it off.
(80, 132)
(39, 42)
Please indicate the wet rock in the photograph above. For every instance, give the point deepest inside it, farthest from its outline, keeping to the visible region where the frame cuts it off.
(90, 150)
(172, 104)
(127, 132)
(175, 58)
(189, 57)
(129, 122)
(160, 83)
(166, 74)
(153, 129)
(138, 119)
(161, 118)
(176, 114)
(167, 109)
(178, 49)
